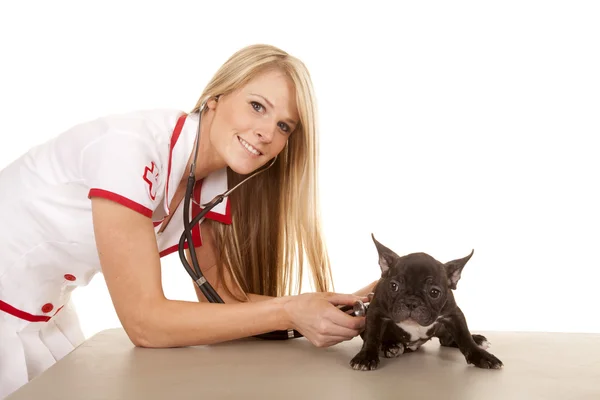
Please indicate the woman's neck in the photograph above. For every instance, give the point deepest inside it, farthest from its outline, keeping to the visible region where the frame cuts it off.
(208, 160)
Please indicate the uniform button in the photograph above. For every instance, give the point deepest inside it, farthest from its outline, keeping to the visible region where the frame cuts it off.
(70, 277)
(46, 308)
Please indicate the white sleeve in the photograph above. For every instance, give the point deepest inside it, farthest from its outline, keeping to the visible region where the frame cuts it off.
(122, 167)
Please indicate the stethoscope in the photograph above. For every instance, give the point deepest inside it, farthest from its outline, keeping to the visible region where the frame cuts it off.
(358, 309)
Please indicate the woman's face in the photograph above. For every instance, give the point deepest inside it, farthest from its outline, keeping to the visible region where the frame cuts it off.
(251, 125)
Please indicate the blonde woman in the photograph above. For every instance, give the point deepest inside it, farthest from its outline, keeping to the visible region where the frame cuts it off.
(106, 196)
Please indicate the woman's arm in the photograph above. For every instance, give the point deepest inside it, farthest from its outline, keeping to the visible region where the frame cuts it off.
(131, 266)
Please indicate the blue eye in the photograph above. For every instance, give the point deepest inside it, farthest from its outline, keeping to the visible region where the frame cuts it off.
(284, 127)
(260, 108)
(257, 106)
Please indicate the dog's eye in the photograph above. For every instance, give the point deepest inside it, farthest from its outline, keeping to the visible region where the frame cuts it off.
(434, 293)
(394, 286)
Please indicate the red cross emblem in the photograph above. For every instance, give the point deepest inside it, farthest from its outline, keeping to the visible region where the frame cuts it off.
(151, 178)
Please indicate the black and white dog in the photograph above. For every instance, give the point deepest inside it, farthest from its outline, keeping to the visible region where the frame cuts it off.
(412, 303)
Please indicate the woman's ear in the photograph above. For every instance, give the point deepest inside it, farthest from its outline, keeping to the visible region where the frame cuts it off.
(212, 102)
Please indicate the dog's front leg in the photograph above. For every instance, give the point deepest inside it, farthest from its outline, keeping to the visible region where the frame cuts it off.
(447, 340)
(368, 356)
(456, 324)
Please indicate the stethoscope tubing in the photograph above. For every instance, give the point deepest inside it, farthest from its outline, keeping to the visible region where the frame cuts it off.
(358, 309)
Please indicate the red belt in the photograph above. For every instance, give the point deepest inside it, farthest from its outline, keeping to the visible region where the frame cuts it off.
(24, 315)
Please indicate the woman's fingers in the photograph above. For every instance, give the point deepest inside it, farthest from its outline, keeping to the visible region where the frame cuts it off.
(345, 320)
(341, 299)
(333, 340)
(342, 331)
(319, 319)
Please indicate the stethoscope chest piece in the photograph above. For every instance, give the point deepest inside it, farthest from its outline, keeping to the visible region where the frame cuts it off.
(360, 309)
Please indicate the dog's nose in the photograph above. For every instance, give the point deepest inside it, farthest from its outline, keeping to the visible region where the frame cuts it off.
(412, 304)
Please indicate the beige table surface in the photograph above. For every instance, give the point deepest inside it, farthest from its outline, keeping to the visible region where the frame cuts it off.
(107, 366)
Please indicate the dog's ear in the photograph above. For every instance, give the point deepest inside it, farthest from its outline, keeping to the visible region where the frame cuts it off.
(454, 269)
(386, 256)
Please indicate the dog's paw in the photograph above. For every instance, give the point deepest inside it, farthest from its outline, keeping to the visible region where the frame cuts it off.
(481, 341)
(392, 350)
(482, 359)
(365, 361)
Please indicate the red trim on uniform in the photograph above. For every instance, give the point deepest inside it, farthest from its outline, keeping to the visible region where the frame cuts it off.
(22, 314)
(148, 180)
(195, 237)
(223, 218)
(25, 315)
(171, 250)
(121, 200)
(174, 138)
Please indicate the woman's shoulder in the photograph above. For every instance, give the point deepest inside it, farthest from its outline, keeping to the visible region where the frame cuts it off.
(155, 120)
(152, 126)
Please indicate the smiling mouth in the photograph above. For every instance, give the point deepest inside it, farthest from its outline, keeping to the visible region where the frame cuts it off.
(249, 148)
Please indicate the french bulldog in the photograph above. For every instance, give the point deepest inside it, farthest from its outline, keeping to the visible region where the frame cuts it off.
(413, 302)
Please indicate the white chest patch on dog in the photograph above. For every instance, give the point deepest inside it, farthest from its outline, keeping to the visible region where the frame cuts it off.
(415, 330)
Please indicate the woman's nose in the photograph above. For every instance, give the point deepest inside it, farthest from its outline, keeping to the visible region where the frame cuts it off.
(265, 133)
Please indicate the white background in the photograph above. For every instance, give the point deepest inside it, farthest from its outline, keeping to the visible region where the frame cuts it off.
(446, 127)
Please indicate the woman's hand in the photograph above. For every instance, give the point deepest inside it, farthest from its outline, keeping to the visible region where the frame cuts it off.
(317, 317)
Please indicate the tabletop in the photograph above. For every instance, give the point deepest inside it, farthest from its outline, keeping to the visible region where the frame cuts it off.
(108, 366)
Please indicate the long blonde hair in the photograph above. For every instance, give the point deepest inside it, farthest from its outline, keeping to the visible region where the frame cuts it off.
(276, 225)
